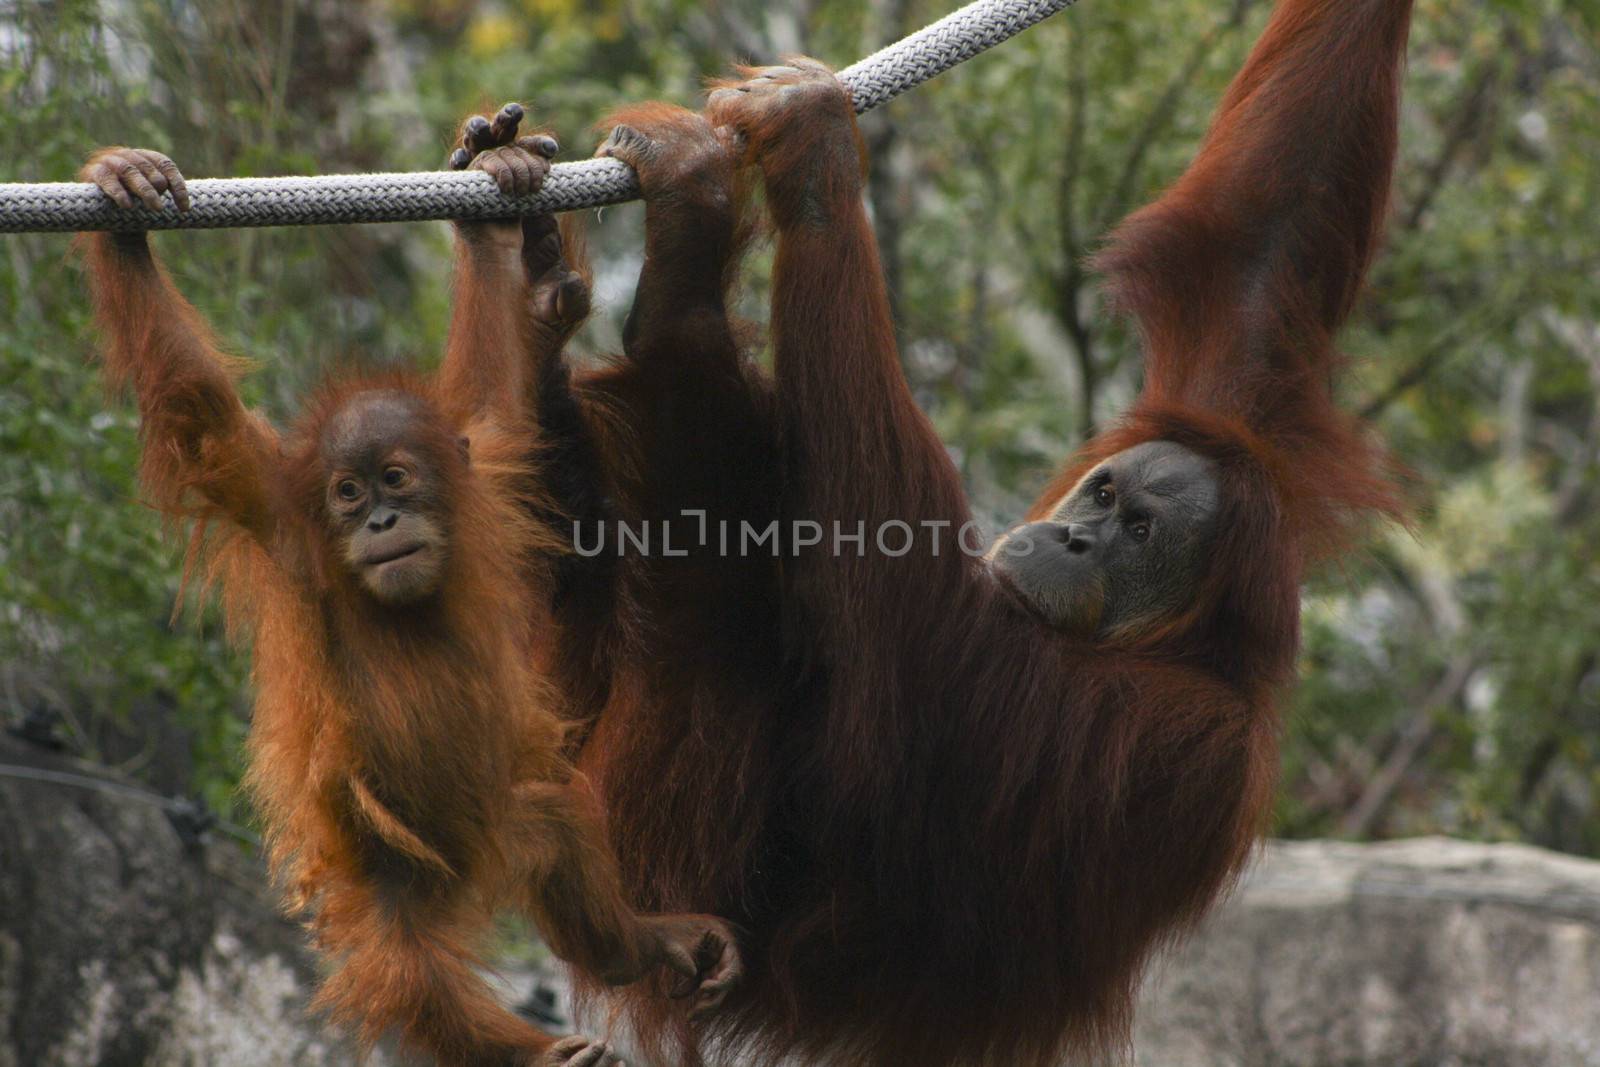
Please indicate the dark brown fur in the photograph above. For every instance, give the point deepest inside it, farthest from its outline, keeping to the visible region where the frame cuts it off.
(955, 836)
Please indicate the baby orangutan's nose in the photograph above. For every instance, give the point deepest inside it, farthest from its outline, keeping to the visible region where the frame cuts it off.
(382, 518)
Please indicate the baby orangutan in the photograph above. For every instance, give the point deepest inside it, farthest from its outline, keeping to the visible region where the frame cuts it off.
(406, 760)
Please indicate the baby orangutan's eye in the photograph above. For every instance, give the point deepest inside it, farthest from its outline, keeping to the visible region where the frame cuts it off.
(395, 477)
(348, 490)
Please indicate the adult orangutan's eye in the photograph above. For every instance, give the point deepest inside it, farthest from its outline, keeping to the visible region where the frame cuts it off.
(1140, 531)
(1105, 496)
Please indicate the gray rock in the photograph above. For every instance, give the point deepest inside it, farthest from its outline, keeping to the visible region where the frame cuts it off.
(1428, 951)
(120, 945)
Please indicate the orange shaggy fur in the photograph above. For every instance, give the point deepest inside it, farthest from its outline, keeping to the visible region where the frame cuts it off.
(407, 764)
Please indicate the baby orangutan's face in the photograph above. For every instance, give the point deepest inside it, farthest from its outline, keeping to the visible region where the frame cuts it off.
(387, 497)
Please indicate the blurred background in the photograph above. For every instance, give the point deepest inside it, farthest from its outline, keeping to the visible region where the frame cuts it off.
(1451, 673)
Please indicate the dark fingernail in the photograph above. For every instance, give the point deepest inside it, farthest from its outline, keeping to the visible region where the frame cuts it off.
(505, 123)
(546, 146)
(460, 158)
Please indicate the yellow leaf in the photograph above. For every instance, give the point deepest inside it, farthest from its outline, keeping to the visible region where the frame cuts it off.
(491, 34)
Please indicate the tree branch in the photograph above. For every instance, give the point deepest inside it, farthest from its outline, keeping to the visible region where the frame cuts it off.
(1069, 290)
(1468, 114)
(1161, 115)
(1413, 740)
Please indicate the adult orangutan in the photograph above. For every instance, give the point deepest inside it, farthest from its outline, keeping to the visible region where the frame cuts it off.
(956, 802)
(406, 760)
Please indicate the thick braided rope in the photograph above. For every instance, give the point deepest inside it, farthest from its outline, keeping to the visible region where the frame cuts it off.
(56, 207)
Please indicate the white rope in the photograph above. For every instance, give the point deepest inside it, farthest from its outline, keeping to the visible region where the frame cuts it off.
(55, 207)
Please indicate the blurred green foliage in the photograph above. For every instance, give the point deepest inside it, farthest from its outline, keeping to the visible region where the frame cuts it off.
(1451, 674)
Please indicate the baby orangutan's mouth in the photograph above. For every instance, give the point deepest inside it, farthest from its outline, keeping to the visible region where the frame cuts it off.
(390, 555)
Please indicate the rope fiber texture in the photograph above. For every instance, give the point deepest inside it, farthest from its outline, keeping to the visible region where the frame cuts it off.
(57, 207)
